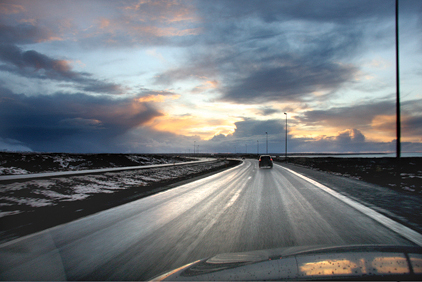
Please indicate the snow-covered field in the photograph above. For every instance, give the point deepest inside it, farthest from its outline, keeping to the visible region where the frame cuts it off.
(18, 197)
(27, 163)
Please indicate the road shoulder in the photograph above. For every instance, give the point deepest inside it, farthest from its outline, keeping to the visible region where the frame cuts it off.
(402, 207)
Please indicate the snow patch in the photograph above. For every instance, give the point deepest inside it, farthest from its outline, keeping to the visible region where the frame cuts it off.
(35, 193)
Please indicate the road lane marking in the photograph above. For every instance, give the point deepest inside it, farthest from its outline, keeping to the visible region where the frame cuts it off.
(400, 229)
(233, 199)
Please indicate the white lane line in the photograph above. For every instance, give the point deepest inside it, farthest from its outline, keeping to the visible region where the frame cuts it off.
(233, 199)
(402, 230)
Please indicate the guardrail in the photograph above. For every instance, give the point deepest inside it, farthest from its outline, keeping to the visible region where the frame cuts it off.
(93, 171)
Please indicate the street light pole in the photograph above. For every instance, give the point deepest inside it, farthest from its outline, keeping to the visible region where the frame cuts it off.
(398, 131)
(285, 151)
(257, 147)
(266, 135)
(194, 145)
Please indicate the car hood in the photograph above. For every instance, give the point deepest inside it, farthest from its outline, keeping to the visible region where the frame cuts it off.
(355, 262)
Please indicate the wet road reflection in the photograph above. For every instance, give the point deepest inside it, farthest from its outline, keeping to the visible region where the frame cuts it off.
(242, 209)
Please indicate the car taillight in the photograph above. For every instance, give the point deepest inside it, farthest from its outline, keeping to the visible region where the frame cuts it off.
(271, 159)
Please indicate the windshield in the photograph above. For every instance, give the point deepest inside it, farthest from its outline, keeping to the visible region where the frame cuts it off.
(140, 136)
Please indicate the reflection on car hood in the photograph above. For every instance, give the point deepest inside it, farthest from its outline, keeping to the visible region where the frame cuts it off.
(356, 262)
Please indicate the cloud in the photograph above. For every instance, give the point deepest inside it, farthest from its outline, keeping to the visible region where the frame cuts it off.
(31, 59)
(158, 98)
(7, 144)
(257, 62)
(99, 23)
(349, 136)
(370, 116)
(295, 81)
(24, 33)
(148, 95)
(250, 135)
(145, 23)
(358, 115)
(346, 141)
(190, 125)
(267, 111)
(252, 128)
(9, 9)
(338, 12)
(70, 122)
(267, 56)
(81, 123)
(32, 64)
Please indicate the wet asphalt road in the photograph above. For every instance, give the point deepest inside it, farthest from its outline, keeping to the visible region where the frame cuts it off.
(242, 209)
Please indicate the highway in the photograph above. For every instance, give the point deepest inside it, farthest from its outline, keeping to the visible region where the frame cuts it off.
(241, 209)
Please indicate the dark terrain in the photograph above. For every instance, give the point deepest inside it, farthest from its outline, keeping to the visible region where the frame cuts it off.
(53, 162)
(387, 172)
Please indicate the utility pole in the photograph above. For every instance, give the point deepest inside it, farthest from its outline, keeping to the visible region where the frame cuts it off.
(266, 135)
(398, 130)
(285, 151)
(257, 147)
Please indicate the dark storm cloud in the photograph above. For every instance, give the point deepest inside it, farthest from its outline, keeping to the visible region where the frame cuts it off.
(251, 127)
(261, 62)
(54, 69)
(339, 11)
(69, 122)
(267, 111)
(294, 82)
(249, 135)
(412, 126)
(98, 86)
(358, 116)
(33, 64)
(411, 121)
(23, 34)
(349, 136)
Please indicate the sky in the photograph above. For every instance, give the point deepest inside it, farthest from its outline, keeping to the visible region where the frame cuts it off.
(88, 76)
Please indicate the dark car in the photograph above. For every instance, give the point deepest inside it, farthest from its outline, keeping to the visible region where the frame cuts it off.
(265, 161)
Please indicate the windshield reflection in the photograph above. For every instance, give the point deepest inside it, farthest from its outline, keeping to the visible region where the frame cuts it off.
(416, 260)
(356, 264)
